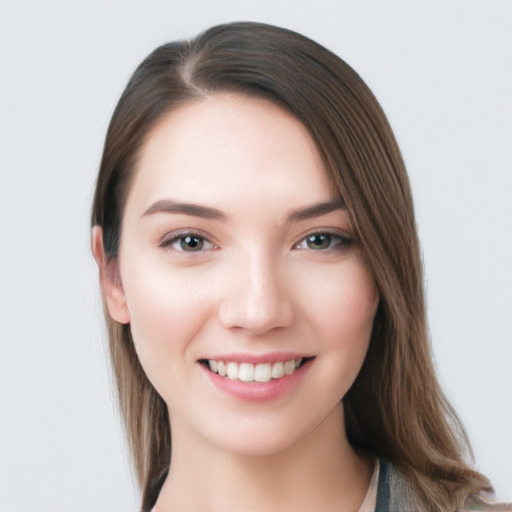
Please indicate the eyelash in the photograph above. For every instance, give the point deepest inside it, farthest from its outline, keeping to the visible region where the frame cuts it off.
(336, 241)
(181, 236)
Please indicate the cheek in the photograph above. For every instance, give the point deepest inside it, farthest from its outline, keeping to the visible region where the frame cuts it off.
(341, 314)
(166, 311)
(344, 306)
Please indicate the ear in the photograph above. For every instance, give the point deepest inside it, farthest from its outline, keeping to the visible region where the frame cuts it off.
(110, 280)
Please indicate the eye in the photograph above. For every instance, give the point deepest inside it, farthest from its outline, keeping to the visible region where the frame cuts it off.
(323, 241)
(188, 242)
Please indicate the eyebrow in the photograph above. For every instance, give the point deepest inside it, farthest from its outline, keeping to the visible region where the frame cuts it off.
(195, 210)
(316, 210)
(207, 212)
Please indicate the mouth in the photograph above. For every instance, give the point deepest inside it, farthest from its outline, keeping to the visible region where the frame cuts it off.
(249, 372)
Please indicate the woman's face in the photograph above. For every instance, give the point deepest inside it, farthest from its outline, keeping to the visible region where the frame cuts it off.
(237, 257)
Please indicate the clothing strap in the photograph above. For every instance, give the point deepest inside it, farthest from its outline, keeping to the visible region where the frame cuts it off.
(383, 490)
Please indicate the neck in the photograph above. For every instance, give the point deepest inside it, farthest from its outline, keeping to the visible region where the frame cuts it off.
(320, 472)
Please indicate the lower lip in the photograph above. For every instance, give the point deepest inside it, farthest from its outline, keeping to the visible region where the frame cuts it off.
(258, 391)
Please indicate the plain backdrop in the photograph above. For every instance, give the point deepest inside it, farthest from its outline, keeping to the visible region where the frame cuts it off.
(443, 73)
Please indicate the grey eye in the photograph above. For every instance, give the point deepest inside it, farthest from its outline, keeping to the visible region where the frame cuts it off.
(191, 243)
(322, 241)
(187, 242)
(319, 241)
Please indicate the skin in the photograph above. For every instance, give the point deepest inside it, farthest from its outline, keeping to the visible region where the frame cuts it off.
(255, 284)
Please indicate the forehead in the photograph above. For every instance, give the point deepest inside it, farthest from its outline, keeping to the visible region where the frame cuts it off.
(224, 143)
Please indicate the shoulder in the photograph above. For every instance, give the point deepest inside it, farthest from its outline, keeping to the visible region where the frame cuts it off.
(395, 494)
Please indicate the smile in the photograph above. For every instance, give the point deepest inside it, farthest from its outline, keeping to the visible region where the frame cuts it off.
(248, 372)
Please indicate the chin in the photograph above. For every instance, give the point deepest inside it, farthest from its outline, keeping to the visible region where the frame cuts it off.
(256, 436)
(259, 444)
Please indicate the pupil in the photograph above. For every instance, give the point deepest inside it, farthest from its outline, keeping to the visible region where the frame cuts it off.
(193, 243)
(319, 241)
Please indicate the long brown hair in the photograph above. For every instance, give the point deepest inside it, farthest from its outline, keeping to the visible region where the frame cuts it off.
(395, 409)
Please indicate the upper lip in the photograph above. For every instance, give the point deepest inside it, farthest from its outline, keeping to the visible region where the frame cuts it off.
(270, 357)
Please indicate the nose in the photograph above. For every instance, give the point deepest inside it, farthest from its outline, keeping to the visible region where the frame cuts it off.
(255, 297)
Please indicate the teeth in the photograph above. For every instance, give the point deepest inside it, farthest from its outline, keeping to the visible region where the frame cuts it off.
(277, 370)
(248, 372)
(289, 367)
(232, 371)
(263, 372)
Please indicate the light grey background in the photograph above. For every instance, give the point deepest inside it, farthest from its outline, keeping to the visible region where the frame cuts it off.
(443, 73)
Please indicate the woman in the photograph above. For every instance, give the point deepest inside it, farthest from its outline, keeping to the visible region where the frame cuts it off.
(254, 229)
